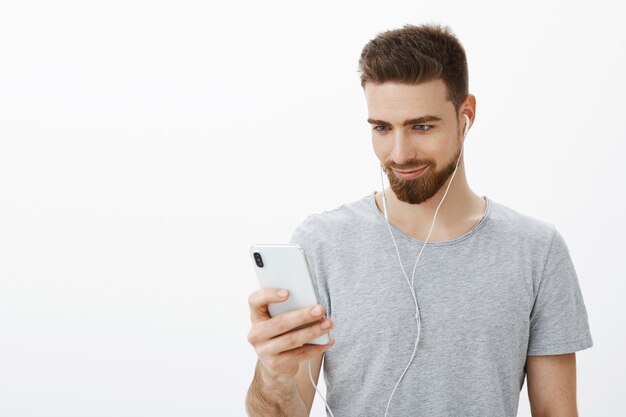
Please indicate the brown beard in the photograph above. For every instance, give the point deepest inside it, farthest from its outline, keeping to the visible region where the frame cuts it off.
(418, 190)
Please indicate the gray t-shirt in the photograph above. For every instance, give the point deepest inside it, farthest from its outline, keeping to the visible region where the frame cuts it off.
(504, 290)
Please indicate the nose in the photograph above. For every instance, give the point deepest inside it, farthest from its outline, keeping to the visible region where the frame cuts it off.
(403, 149)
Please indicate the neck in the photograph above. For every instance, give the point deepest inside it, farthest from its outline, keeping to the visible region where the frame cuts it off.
(459, 212)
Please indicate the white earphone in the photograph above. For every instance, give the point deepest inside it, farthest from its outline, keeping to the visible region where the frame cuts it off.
(410, 283)
(468, 123)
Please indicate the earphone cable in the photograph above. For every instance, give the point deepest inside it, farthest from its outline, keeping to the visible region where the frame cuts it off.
(316, 389)
(411, 283)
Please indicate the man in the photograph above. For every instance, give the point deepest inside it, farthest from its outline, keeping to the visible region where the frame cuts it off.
(493, 298)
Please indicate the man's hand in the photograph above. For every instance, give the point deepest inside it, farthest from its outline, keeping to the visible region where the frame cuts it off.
(280, 344)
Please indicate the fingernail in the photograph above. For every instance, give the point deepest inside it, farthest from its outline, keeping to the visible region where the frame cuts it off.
(316, 311)
(325, 324)
(281, 293)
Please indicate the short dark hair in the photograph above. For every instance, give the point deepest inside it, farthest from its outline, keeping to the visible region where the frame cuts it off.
(416, 54)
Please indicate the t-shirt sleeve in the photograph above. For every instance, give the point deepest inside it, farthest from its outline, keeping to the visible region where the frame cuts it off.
(558, 320)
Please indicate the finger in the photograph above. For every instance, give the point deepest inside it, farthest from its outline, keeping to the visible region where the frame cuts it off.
(306, 350)
(285, 361)
(296, 338)
(259, 300)
(291, 320)
(264, 330)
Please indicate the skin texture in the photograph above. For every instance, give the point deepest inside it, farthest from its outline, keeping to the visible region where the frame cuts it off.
(552, 385)
(281, 385)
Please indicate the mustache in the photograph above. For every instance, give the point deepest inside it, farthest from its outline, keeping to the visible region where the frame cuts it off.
(408, 166)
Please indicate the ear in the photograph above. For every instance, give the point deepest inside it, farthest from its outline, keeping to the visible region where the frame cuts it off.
(468, 108)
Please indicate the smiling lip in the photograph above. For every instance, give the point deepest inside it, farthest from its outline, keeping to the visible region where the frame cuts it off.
(409, 175)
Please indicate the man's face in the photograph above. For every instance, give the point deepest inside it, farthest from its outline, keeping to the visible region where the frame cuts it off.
(416, 136)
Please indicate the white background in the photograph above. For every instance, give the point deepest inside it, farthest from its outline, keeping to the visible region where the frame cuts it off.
(145, 145)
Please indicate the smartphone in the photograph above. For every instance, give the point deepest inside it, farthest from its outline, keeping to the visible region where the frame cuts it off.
(285, 266)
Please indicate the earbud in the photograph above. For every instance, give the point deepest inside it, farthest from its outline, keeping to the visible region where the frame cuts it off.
(467, 124)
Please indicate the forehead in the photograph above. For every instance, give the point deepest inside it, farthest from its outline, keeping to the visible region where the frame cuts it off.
(396, 102)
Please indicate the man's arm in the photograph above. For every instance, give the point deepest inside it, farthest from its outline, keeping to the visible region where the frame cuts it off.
(552, 385)
(268, 398)
(271, 399)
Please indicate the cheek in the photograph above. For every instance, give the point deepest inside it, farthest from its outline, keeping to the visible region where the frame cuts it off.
(381, 149)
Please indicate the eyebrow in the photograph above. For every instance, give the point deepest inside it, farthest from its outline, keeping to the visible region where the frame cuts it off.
(416, 121)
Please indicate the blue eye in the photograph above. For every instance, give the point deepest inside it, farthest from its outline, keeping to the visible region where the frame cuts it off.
(419, 128)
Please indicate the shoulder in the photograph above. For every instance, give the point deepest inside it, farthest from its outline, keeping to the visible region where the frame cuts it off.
(521, 228)
(346, 218)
